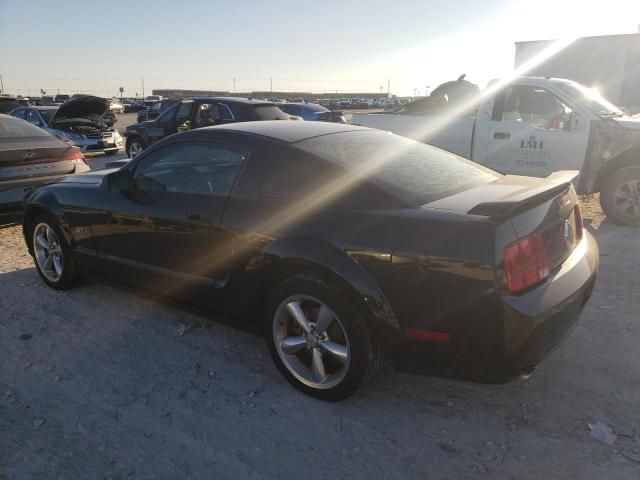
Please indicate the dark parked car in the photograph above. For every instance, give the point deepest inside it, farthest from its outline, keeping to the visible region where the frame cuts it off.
(196, 113)
(30, 156)
(61, 98)
(341, 241)
(153, 108)
(313, 112)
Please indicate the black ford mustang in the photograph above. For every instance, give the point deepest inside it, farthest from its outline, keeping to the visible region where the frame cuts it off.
(346, 244)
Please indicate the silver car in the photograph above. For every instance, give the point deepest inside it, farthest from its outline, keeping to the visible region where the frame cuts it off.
(79, 122)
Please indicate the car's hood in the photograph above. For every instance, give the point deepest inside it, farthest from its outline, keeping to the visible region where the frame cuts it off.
(85, 107)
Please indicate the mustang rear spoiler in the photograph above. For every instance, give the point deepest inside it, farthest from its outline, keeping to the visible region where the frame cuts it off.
(552, 186)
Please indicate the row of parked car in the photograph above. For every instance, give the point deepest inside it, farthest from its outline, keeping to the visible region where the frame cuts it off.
(43, 142)
(87, 122)
(346, 103)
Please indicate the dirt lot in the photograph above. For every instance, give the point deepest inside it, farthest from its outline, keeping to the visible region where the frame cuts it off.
(98, 383)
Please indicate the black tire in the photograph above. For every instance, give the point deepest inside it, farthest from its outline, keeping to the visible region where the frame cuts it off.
(612, 205)
(70, 273)
(132, 141)
(365, 347)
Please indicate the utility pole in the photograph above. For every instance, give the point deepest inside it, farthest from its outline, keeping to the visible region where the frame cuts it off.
(234, 86)
(271, 85)
(388, 87)
(143, 97)
(1, 85)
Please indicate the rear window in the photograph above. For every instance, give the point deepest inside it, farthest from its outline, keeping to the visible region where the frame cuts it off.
(413, 171)
(15, 128)
(268, 112)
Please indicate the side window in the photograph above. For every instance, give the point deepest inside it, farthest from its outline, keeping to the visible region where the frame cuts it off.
(33, 118)
(207, 115)
(225, 112)
(296, 177)
(196, 168)
(537, 107)
(19, 113)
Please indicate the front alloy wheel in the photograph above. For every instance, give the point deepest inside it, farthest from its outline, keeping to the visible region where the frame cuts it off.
(48, 252)
(52, 254)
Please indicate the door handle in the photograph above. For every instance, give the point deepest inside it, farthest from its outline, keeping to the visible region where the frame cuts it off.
(502, 135)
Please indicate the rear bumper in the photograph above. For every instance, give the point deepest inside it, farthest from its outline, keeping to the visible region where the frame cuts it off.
(505, 337)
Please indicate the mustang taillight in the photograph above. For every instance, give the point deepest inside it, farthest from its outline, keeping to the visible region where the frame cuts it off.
(526, 263)
(577, 211)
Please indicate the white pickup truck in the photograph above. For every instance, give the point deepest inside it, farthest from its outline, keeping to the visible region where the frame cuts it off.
(535, 126)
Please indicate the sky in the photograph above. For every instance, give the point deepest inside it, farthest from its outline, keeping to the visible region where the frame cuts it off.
(314, 46)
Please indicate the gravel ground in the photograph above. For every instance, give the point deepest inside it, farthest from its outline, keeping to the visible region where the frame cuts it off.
(102, 383)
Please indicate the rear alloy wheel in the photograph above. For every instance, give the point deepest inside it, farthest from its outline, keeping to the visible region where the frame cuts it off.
(311, 341)
(134, 148)
(52, 255)
(318, 340)
(620, 196)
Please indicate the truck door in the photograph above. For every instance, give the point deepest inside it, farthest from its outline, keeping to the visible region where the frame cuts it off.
(531, 132)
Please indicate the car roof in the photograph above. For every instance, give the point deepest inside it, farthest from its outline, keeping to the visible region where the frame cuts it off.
(44, 107)
(288, 131)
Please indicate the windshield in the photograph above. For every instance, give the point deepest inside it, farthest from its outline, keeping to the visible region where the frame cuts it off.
(47, 115)
(166, 115)
(591, 98)
(414, 171)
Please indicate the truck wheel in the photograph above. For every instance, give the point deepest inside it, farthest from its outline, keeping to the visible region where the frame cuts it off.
(620, 196)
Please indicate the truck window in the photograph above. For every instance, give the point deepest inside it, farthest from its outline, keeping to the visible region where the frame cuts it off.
(535, 106)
